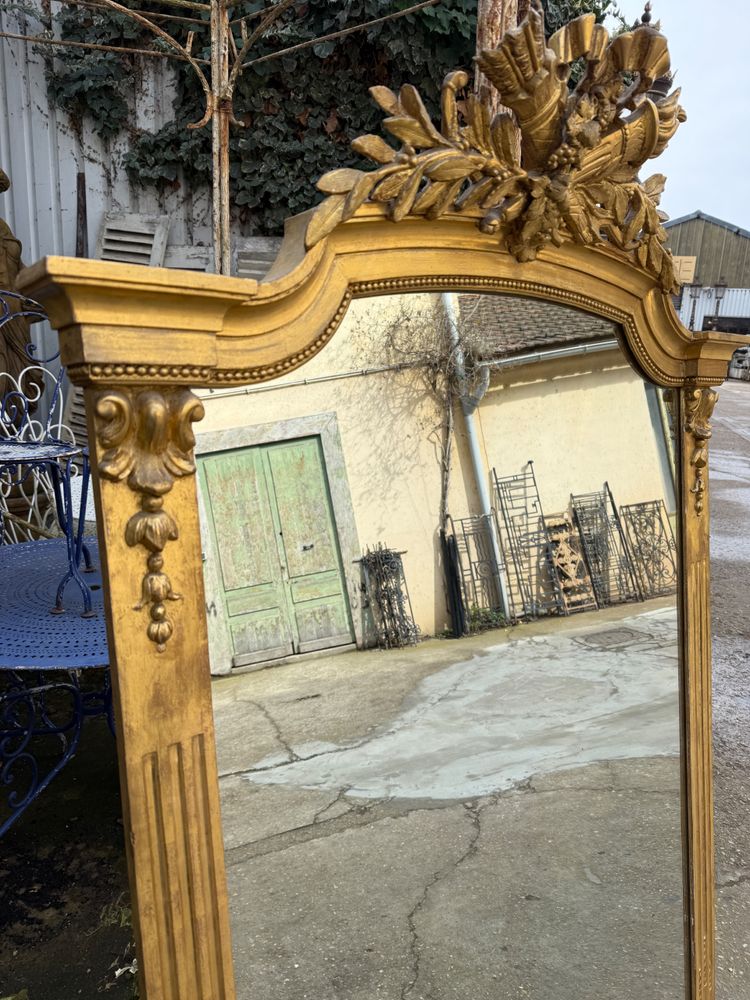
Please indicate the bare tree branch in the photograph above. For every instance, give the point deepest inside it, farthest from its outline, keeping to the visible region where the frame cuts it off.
(340, 34)
(272, 15)
(42, 40)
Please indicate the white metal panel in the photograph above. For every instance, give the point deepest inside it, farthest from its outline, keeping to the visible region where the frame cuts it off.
(736, 303)
(42, 154)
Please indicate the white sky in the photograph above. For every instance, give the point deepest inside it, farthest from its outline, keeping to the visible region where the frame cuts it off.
(706, 162)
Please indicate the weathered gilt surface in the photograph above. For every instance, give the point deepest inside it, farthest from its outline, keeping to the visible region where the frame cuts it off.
(575, 176)
(148, 441)
(699, 405)
(567, 221)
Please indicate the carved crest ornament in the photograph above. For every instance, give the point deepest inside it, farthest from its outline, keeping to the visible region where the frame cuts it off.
(575, 175)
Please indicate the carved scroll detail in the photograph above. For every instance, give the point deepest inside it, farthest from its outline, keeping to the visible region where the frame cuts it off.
(147, 439)
(575, 178)
(699, 405)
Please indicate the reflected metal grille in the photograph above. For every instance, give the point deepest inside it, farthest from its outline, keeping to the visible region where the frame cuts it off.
(649, 534)
(476, 563)
(533, 584)
(605, 547)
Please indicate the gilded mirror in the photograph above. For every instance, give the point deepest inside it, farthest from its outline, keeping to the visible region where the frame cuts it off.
(473, 209)
(485, 799)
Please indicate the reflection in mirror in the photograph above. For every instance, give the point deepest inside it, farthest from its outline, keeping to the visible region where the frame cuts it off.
(441, 574)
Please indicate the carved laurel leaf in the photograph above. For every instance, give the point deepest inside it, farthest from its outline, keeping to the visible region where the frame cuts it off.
(412, 104)
(654, 186)
(603, 192)
(501, 189)
(635, 224)
(478, 133)
(447, 197)
(452, 167)
(339, 181)
(386, 99)
(655, 255)
(474, 194)
(405, 200)
(504, 140)
(327, 216)
(375, 148)
(428, 196)
(621, 205)
(358, 194)
(411, 132)
(625, 174)
(667, 276)
(391, 187)
(642, 253)
(617, 236)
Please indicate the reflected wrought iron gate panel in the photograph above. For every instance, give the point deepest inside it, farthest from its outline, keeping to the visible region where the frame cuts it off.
(533, 585)
(649, 534)
(385, 588)
(605, 547)
(476, 561)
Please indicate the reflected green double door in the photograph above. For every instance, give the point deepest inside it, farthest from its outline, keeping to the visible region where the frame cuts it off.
(274, 536)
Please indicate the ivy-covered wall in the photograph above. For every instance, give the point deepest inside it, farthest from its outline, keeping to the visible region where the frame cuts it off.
(300, 111)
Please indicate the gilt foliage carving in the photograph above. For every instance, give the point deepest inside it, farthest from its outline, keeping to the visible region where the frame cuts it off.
(146, 440)
(699, 405)
(575, 177)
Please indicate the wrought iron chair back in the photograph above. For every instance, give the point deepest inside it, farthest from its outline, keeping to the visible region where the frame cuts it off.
(32, 409)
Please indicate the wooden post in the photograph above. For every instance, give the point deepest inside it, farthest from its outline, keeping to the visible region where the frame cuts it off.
(143, 470)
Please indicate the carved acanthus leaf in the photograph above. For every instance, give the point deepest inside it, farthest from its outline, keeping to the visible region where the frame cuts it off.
(577, 177)
(147, 439)
(699, 406)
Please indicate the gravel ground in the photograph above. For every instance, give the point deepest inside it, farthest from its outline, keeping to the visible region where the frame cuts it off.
(730, 565)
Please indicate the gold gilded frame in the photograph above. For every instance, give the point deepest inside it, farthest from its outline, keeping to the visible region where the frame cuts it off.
(138, 339)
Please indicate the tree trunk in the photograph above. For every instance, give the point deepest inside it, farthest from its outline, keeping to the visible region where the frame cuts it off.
(494, 18)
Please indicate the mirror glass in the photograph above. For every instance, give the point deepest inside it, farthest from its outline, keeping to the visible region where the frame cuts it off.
(440, 570)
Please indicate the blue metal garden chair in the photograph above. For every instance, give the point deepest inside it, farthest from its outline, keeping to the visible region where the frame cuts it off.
(46, 689)
(39, 458)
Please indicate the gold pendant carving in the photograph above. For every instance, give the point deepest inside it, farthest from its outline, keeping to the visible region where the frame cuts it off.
(575, 176)
(699, 405)
(147, 439)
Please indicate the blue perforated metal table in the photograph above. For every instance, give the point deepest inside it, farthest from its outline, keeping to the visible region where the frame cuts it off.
(46, 662)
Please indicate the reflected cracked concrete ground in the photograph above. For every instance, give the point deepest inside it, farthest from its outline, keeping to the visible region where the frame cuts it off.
(484, 819)
(531, 705)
